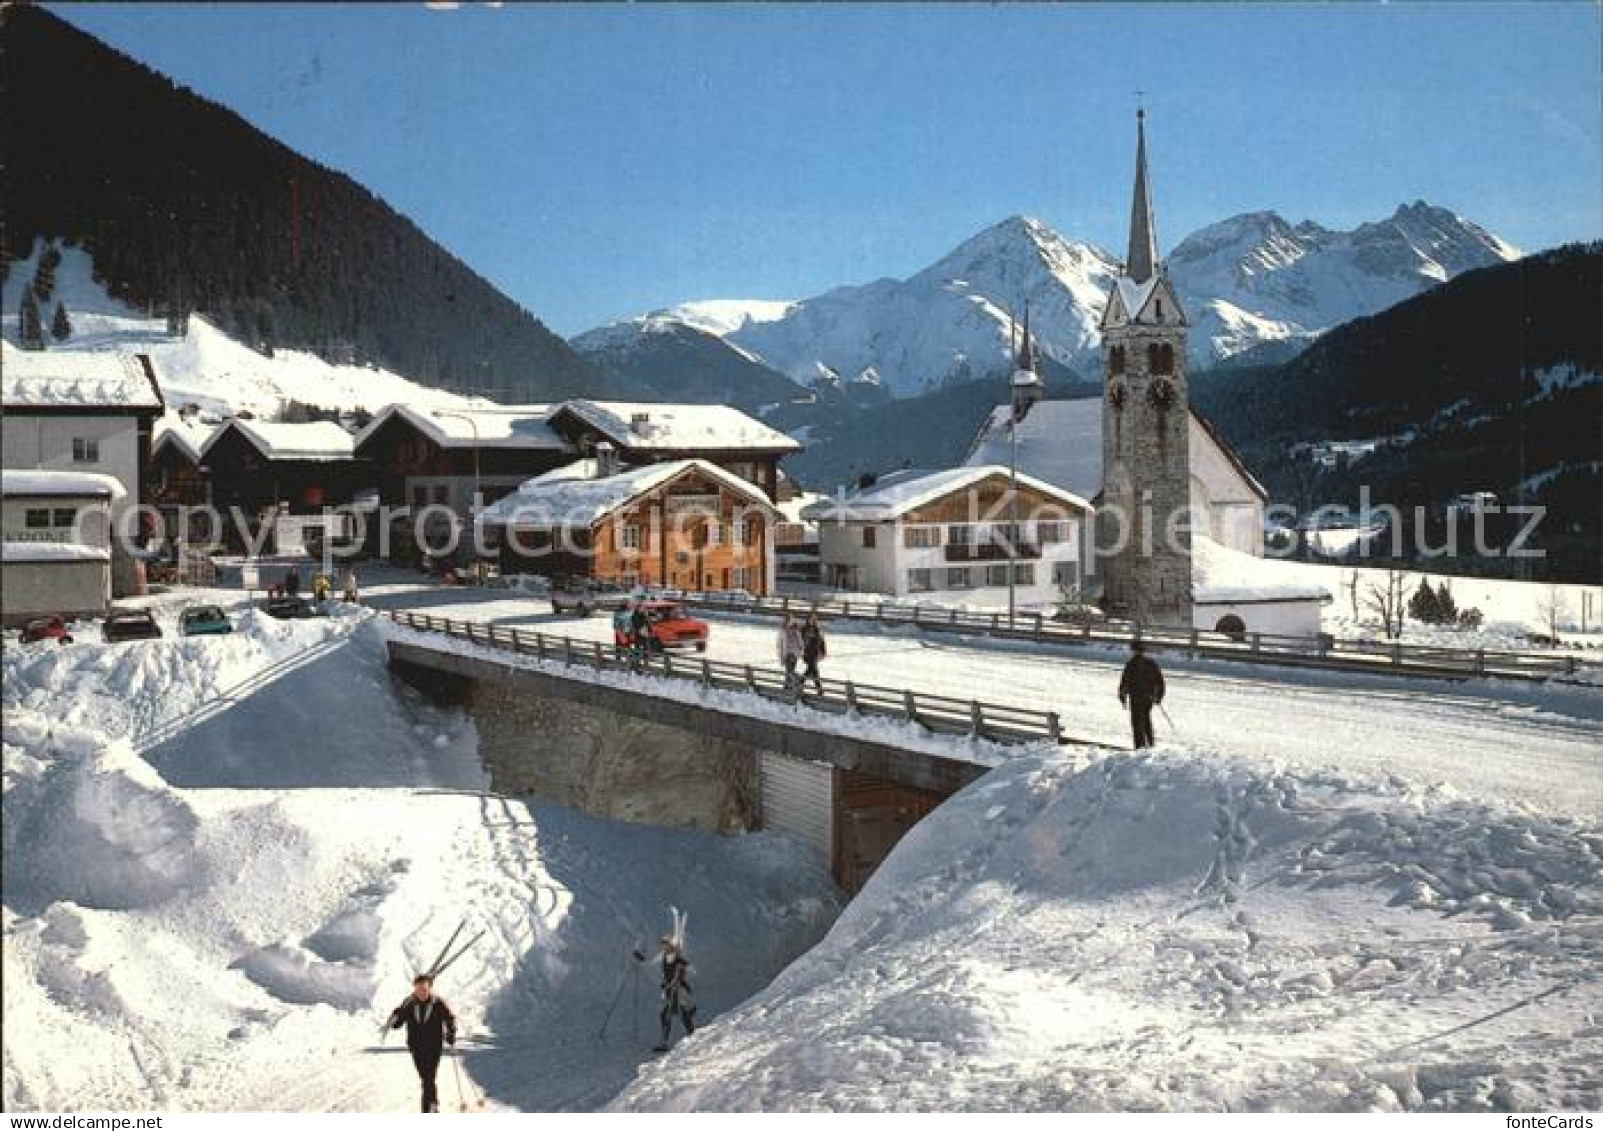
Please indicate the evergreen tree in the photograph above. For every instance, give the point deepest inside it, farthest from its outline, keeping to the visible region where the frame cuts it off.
(1446, 607)
(44, 276)
(1423, 606)
(61, 325)
(30, 332)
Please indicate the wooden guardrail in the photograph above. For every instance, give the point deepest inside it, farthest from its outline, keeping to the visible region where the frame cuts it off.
(1324, 652)
(938, 714)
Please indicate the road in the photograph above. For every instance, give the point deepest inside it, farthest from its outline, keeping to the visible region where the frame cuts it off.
(1533, 743)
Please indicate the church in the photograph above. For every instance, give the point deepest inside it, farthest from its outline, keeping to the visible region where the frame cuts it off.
(1146, 458)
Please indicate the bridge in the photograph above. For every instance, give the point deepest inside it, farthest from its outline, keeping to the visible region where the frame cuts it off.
(690, 741)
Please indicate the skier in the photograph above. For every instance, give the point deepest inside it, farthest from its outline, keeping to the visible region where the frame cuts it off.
(428, 1021)
(814, 649)
(351, 595)
(790, 649)
(1141, 686)
(676, 997)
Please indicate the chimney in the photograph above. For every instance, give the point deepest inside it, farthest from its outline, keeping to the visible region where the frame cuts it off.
(606, 460)
(640, 424)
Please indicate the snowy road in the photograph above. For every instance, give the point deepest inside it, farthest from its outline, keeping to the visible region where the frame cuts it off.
(1539, 744)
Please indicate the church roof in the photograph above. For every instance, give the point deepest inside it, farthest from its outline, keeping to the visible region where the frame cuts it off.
(1060, 442)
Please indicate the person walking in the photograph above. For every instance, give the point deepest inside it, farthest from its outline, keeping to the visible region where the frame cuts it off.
(814, 649)
(676, 997)
(639, 630)
(1141, 688)
(430, 1025)
(352, 596)
(292, 583)
(790, 649)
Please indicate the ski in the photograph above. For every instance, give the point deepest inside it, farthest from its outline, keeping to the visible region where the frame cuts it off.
(441, 967)
(434, 968)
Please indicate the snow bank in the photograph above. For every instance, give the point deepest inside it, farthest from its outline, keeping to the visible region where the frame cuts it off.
(1179, 931)
(225, 933)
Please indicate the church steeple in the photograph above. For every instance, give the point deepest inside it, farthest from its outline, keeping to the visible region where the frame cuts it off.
(1027, 384)
(1142, 261)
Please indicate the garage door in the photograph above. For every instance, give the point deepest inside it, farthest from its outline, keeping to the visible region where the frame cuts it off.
(798, 801)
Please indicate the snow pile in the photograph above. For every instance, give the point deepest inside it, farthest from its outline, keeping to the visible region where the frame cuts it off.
(1178, 931)
(1219, 573)
(224, 857)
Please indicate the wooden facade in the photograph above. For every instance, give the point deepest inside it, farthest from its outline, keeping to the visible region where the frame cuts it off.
(398, 451)
(694, 533)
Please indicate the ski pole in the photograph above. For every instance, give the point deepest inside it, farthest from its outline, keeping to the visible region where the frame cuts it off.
(1167, 719)
(434, 968)
(461, 1098)
(441, 967)
(623, 976)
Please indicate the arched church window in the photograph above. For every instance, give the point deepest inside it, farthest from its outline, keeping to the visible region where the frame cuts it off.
(1160, 358)
(1160, 310)
(1116, 360)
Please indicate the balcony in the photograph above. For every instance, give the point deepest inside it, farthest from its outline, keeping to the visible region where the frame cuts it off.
(990, 552)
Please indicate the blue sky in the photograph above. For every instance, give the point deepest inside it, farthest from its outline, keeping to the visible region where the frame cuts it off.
(597, 161)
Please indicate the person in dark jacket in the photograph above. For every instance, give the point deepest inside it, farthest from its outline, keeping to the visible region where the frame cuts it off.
(814, 649)
(639, 629)
(292, 582)
(1141, 687)
(676, 997)
(430, 1024)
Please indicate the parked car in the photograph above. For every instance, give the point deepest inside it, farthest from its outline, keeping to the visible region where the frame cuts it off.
(204, 620)
(582, 596)
(51, 627)
(669, 626)
(289, 608)
(137, 625)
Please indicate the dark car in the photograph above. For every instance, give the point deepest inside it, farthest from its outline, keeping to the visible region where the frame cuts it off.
(52, 627)
(204, 620)
(138, 625)
(289, 608)
(583, 596)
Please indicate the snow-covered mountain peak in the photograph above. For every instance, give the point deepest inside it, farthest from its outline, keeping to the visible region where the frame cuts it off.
(1247, 279)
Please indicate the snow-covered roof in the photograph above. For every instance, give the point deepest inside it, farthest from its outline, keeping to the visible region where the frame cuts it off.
(17, 553)
(575, 502)
(76, 378)
(185, 431)
(312, 440)
(1220, 574)
(18, 483)
(499, 426)
(892, 496)
(1059, 442)
(678, 427)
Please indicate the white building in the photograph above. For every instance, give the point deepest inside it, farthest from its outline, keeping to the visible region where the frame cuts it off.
(81, 411)
(947, 534)
(57, 543)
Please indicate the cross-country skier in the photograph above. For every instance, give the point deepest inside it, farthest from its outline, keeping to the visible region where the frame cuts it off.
(676, 997)
(429, 1022)
(1141, 686)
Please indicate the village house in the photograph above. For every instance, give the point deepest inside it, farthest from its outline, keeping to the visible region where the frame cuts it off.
(175, 476)
(957, 535)
(647, 432)
(685, 524)
(281, 476)
(83, 412)
(57, 535)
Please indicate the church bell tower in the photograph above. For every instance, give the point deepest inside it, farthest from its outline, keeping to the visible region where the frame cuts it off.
(1143, 524)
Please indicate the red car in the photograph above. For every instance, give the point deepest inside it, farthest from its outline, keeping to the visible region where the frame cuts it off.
(46, 628)
(667, 624)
